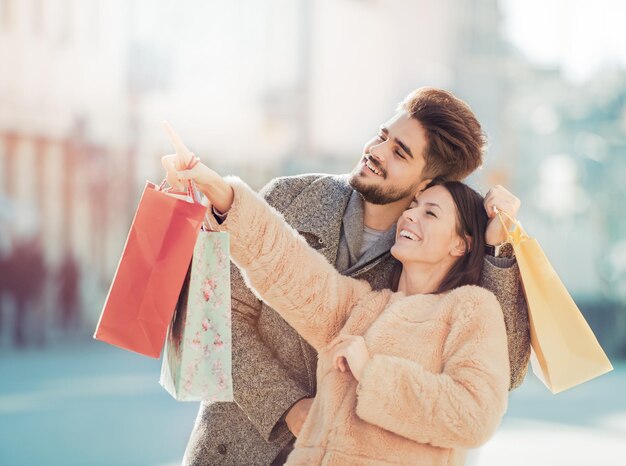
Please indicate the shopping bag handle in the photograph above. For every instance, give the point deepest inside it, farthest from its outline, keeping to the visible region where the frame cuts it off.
(516, 223)
(192, 192)
(190, 187)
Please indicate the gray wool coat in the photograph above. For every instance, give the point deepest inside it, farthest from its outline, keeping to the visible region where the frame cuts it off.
(273, 367)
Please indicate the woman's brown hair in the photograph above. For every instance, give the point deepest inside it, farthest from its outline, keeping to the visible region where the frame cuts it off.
(471, 223)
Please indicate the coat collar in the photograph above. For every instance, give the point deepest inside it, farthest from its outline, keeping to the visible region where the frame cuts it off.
(319, 210)
(382, 246)
(353, 226)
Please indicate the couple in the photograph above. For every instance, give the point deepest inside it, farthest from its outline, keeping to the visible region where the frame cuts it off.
(414, 360)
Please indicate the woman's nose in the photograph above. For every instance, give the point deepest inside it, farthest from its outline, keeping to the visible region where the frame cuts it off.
(410, 215)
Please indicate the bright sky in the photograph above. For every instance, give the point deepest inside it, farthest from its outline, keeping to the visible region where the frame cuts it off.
(580, 35)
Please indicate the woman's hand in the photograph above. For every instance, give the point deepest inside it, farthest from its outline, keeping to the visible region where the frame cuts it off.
(211, 184)
(349, 353)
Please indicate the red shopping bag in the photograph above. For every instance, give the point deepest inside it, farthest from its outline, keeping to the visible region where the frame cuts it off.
(150, 274)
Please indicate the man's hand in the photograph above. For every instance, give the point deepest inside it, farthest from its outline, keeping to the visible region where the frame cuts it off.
(297, 415)
(505, 201)
(350, 353)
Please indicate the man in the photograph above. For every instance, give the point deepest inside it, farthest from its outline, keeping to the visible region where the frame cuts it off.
(351, 221)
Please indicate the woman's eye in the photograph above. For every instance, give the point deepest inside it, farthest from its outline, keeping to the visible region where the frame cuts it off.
(431, 213)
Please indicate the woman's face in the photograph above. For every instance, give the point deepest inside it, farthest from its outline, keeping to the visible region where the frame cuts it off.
(427, 230)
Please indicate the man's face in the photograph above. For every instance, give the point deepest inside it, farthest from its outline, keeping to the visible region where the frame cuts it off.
(391, 167)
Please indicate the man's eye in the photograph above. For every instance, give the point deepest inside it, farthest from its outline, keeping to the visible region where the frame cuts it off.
(399, 154)
(381, 137)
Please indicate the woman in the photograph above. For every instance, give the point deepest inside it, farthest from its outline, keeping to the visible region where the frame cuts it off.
(415, 376)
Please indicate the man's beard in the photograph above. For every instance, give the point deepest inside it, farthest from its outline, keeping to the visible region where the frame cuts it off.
(378, 194)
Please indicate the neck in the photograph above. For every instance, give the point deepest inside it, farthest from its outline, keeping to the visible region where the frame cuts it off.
(420, 278)
(382, 217)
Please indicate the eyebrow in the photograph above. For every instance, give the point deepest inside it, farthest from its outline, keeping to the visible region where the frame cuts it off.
(432, 204)
(404, 147)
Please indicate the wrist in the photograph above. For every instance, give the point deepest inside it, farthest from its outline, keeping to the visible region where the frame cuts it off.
(220, 194)
(503, 249)
(293, 408)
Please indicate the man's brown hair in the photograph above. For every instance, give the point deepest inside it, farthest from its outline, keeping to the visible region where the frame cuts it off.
(456, 142)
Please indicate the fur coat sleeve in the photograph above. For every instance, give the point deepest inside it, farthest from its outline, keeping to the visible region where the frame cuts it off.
(461, 406)
(286, 272)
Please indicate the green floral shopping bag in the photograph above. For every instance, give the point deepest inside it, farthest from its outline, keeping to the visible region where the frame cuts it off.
(197, 358)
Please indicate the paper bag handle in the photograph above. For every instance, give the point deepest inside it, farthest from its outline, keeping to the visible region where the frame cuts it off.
(516, 222)
(192, 163)
(192, 192)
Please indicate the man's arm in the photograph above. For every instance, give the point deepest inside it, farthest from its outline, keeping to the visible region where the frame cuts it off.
(500, 275)
(263, 388)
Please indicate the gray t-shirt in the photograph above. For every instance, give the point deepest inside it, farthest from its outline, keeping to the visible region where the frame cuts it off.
(370, 237)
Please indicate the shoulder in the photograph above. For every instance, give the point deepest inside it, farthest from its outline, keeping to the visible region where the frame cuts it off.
(367, 298)
(289, 183)
(473, 302)
(280, 192)
(370, 305)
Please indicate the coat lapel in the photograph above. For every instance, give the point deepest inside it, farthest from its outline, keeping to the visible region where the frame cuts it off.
(319, 209)
(353, 227)
(382, 246)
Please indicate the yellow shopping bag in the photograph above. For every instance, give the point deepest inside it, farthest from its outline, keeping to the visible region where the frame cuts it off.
(565, 352)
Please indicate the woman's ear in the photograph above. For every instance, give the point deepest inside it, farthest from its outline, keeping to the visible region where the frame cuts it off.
(462, 246)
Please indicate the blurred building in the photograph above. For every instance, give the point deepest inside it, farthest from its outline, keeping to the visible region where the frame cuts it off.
(262, 89)
(67, 130)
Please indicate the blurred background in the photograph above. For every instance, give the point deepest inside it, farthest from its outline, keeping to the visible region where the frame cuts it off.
(263, 88)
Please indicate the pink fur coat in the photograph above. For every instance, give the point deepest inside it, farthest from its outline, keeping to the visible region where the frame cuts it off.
(438, 378)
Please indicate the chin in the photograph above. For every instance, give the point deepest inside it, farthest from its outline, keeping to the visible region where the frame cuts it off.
(395, 253)
(358, 182)
(404, 254)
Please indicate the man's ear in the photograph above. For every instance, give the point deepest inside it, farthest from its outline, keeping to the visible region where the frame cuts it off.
(462, 247)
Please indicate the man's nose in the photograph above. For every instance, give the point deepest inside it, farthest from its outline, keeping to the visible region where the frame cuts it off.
(378, 153)
(378, 150)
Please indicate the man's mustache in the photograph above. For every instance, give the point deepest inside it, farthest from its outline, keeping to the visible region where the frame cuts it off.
(376, 164)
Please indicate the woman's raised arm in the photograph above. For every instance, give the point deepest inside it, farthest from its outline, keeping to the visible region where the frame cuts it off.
(278, 264)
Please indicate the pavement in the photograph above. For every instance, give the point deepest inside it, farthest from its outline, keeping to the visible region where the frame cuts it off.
(83, 402)
(582, 426)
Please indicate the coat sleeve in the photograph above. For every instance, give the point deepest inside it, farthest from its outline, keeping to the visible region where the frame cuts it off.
(461, 406)
(286, 272)
(262, 386)
(255, 366)
(501, 277)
